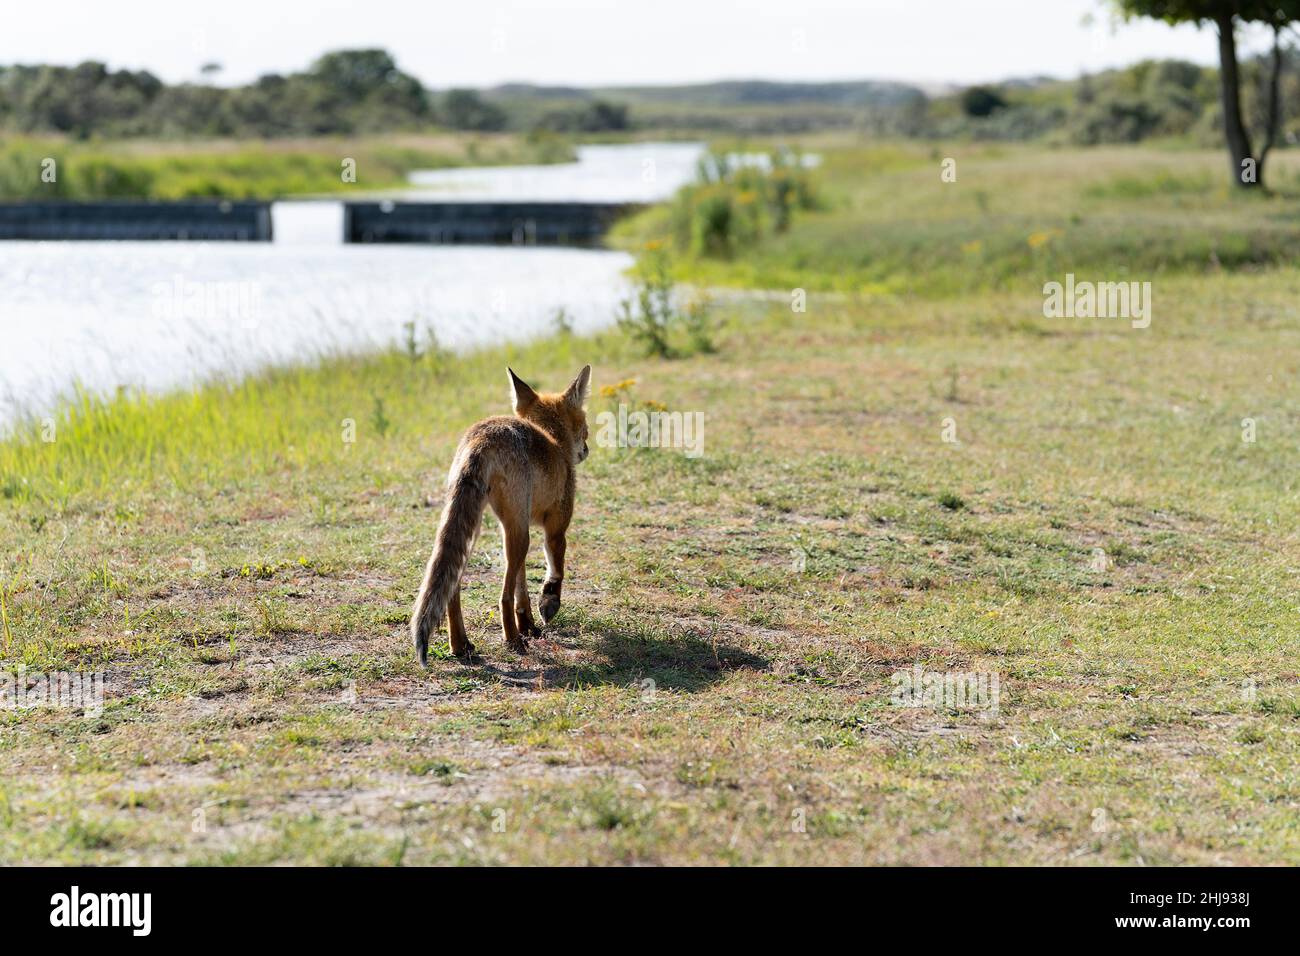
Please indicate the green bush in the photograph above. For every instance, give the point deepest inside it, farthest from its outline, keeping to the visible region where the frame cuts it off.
(652, 319)
(734, 204)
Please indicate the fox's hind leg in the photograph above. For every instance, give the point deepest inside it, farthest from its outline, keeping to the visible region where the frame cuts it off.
(460, 643)
(549, 603)
(515, 534)
(524, 606)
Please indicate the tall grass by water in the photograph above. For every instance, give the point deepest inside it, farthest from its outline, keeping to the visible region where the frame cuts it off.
(225, 431)
(35, 169)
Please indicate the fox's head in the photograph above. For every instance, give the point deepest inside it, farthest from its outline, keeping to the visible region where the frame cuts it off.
(560, 416)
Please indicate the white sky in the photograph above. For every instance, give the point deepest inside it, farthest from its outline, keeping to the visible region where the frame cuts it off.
(590, 42)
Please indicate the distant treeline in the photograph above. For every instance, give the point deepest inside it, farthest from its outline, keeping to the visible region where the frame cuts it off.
(1154, 98)
(346, 92)
(363, 91)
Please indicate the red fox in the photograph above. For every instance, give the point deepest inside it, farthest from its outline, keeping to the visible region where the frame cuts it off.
(525, 468)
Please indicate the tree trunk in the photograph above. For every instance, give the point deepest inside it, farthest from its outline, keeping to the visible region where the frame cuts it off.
(1243, 173)
(1274, 115)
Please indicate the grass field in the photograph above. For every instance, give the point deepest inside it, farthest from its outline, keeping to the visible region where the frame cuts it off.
(1013, 219)
(718, 687)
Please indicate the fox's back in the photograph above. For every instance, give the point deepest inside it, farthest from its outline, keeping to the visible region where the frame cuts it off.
(515, 456)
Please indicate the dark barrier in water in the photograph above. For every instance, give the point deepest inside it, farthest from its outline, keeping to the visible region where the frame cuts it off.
(520, 223)
(203, 221)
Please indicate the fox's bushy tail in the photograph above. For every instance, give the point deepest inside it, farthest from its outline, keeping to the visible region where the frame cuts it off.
(466, 498)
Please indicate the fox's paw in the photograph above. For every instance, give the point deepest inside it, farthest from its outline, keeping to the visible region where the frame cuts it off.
(518, 645)
(527, 627)
(466, 653)
(548, 602)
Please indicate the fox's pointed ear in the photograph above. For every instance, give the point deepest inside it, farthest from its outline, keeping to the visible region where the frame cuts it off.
(576, 393)
(521, 393)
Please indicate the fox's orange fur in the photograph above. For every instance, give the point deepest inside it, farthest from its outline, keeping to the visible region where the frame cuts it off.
(525, 468)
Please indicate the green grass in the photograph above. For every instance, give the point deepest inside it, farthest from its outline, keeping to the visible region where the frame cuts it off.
(718, 685)
(247, 170)
(1013, 219)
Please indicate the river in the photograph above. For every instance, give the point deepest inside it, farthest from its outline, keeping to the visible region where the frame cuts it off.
(164, 315)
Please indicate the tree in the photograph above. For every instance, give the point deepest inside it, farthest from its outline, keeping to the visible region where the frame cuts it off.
(598, 116)
(354, 74)
(981, 101)
(465, 109)
(365, 89)
(1247, 166)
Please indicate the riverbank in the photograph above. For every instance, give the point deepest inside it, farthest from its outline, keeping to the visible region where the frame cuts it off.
(255, 169)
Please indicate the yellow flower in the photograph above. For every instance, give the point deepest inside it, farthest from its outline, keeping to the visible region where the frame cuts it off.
(972, 247)
(611, 391)
(1037, 239)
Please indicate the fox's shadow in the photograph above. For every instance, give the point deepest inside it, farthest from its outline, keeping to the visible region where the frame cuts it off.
(618, 653)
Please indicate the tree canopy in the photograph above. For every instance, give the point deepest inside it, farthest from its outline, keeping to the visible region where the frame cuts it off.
(1247, 162)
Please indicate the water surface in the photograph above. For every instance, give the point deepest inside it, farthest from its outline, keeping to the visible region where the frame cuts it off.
(161, 315)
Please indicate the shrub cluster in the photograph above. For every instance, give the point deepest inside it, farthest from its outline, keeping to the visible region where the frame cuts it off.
(739, 200)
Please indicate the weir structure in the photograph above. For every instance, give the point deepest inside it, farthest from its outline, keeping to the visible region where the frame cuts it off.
(198, 220)
(482, 223)
(380, 221)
